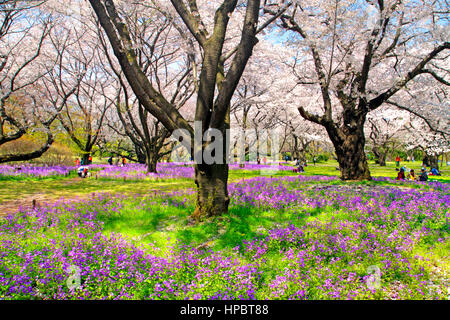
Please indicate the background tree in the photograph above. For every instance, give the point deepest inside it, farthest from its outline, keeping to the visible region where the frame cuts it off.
(384, 128)
(23, 35)
(359, 57)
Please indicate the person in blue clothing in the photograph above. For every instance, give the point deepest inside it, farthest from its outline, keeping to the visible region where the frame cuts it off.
(435, 172)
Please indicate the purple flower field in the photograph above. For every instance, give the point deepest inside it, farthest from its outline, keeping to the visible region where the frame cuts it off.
(138, 171)
(134, 171)
(34, 171)
(304, 238)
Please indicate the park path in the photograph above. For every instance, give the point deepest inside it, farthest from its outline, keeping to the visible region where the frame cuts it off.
(35, 199)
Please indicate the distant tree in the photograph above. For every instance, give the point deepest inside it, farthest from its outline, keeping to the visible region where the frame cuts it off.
(25, 105)
(359, 57)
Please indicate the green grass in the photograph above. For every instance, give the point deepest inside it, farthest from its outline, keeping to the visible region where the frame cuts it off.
(13, 188)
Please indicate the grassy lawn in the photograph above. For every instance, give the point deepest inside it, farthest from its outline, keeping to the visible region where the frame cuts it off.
(73, 186)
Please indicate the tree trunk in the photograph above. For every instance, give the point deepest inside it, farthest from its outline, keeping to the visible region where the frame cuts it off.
(151, 162)
(212, 192)
(350, 155)
(433, 162)
(430, 161)
(86, 158)
(382, 158)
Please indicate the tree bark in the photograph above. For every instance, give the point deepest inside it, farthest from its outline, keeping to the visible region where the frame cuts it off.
(349, 147)
(382, 159)
(380, 156)
(431, 161)
(85, 158)
(212, 192)
(152, 162)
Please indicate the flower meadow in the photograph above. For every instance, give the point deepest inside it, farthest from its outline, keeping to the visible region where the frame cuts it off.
(171, 170)
(174, 170)
(133, 171)
(295, 237)
(33, 171)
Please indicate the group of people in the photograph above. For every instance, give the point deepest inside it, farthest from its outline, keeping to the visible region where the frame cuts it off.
(83, 170)
(258, 160)
(124, 161)
(411, 175)
(398, 159)
(79, 162)
(300, 166)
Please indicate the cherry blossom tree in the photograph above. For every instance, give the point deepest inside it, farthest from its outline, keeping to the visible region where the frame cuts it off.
(217, 81)
(383, 129)
(359, 56)
(23, 34)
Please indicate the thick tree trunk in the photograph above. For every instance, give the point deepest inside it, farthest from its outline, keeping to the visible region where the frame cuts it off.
(381, 157)
(85, 158)
(212, 192)
(151, 162)
(351, 156)
(382, 160)
(431, 161)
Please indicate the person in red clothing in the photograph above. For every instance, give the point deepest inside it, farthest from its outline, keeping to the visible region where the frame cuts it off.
(397, 161)
(123, 161)
(77, 162)
(90, 160)
(401, 174)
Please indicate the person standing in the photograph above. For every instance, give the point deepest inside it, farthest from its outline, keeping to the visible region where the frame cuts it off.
(397, 161)
(90, 159)
(110, 161)
(77, 162)
(123, 161)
